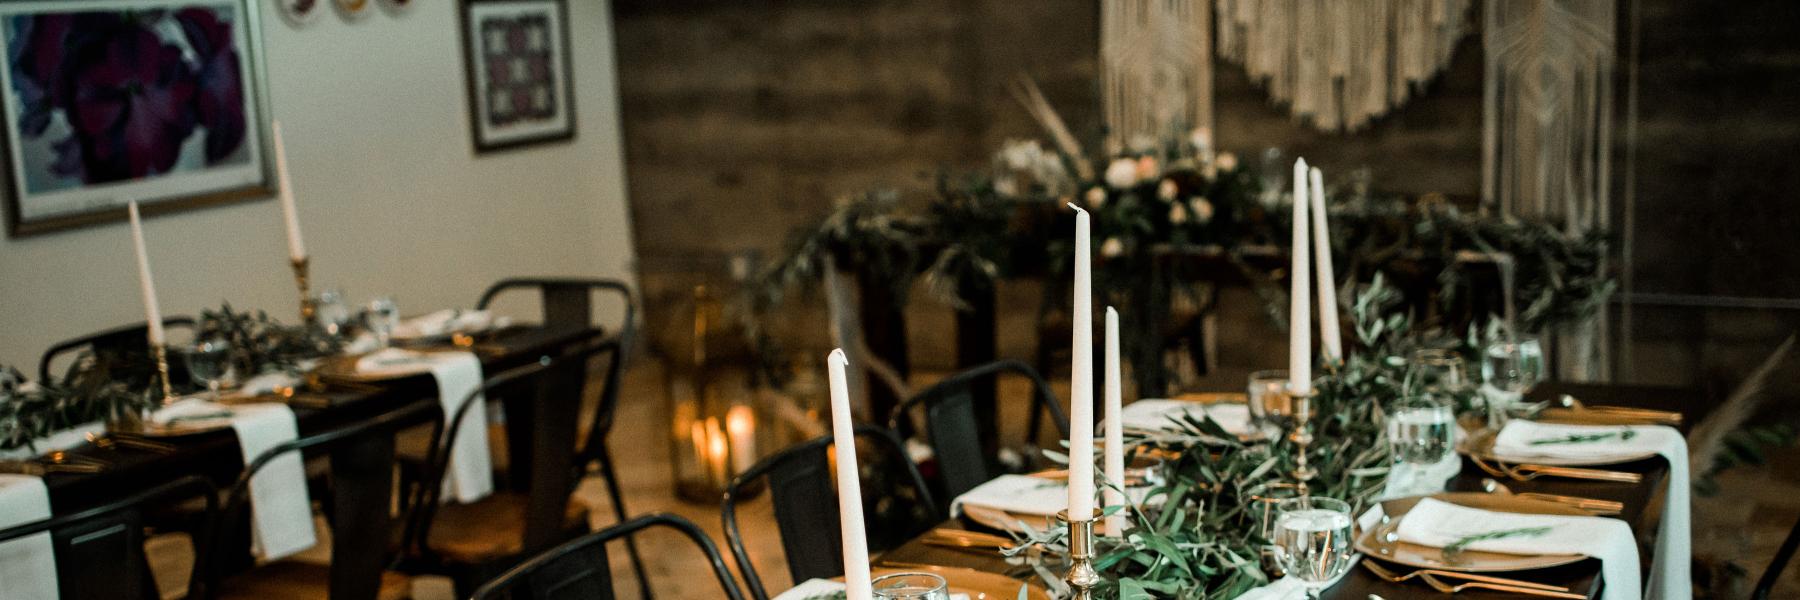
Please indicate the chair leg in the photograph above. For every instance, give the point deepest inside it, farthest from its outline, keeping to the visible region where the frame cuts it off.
(618, 502)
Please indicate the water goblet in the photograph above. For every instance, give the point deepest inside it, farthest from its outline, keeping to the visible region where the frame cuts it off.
(1509, 369)
(208, 361)
(1420, 435)
(1435, 370)
(330, 311)
(911, 586)
(1271, 407)
(1312, 540)
(382, 317)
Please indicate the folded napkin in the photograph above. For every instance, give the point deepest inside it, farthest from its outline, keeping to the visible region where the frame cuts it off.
(27, 564)
(1159, 414)
(1026, 495)
(266, 383)
(815, 588)
(62, 439)
(1289, 588)
(470, 475)
(1406, 479)
(1437, 524)
(281, 522)
(1670, 569)
(449, 320)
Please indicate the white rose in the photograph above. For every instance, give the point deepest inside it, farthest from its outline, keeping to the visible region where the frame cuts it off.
(1178, 214)
(1122, 173)
(1007, 187)
(1147, 169)
(1113, 247)
(1096, 197)
(1227, 161)
(1167, 190)
(1021, 155)
(1203, 210)
(1201, 137)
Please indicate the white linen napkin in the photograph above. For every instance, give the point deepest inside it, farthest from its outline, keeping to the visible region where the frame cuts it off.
(62, 439)
(281, 522)
(1437, 524)
(27, 564)
(1289, 588)
(265, 383)
(1026, 495)
(812, 588)
(449, 320)
(1158, 414)
(470, 475)
(1671, 568)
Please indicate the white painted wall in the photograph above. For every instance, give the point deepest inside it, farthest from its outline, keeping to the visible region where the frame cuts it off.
(391, 195)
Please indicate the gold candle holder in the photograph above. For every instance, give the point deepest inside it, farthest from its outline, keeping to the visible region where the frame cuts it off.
(161, 352)
(1081, 577)
(1301, 437)
(301, 273)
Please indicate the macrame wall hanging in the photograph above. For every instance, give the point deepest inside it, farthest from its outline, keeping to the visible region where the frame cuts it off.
(1156, 70)
(1547, 131)
(1339, 63)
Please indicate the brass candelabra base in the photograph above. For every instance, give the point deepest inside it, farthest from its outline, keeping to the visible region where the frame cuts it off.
(1081, 577)
(302, 268)
(1301, 437)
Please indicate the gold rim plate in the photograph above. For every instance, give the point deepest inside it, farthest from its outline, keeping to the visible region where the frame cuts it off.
(979, 585)
(1481, 445)
(1372, 544)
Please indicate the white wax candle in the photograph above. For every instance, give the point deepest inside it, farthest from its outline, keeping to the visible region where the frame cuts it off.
(740, 423)
(146, 285)
(289, 217)
(1114, 458)
(1299, 304)
(1331, 343)
(1081, 401)
(850, 509)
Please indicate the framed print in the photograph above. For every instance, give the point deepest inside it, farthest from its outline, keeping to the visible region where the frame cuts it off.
(519, 79)
(108, 101)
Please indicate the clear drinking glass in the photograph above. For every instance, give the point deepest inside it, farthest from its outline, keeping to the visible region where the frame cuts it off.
(1271, 408)
(1508, 371)
(1312, 540)
(382, 317)
(1420, 435)
(331, 311)
(208, 361)
(911, 586)
(1435, 370)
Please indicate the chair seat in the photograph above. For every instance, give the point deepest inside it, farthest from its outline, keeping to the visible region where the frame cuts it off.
(295, 580)
(492, 529)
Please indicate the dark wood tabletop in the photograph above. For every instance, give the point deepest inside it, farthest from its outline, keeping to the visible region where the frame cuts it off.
(1640, 500)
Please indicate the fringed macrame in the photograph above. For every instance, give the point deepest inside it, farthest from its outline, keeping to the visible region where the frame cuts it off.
(1340, 63)
(1155, 70)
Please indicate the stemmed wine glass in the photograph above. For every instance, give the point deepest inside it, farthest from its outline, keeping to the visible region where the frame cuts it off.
(208, 361)
(382, 317)
(1435, 370)
(1509, 369)
(1312, 540)
(1420, 434)
(331, 311)
(911, 586)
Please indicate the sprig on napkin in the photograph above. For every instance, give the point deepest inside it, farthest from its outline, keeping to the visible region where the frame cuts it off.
(1456, 548)
(1582, 438)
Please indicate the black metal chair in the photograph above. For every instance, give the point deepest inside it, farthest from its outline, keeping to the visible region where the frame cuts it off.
(117, 348)
(579, 570)
(471, 542)
(565, 300)
(896, 504)
(1772, 575)
(100, 550)
(954, 427)
(362, 445)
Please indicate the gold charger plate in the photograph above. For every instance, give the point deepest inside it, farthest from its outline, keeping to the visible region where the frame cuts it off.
(1481, 445)
(979, 585)
(1371, 542)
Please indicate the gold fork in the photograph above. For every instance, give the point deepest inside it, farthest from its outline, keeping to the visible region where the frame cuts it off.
(1439, 585)
(1528, 472)
(1391, 576)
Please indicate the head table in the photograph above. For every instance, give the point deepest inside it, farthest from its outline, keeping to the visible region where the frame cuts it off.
(542, 431)
(1581, 577)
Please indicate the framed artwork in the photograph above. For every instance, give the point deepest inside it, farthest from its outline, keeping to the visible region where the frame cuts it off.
(107, 101)
(520, 86)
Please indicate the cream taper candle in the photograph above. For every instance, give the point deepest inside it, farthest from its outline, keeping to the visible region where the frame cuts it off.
(1330, 342)
(850, 508)
(289, 215)
(1081, 400)
(146, 285)
(1114, 457)
(1299, 302)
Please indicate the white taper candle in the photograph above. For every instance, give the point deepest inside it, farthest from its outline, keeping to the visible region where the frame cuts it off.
(1299, 300)
(289, 216)
(146, 285)
(850, 508)
(1114, 457)
(1330, 341)
(1081, 400)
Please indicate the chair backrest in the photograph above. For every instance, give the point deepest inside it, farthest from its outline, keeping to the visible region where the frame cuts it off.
(1783, 555)
(594, 446)
(896, 504)
(388, 423)
(579, 569)
(119, 346)
(566, 300)
(100, 550)
(954, 427)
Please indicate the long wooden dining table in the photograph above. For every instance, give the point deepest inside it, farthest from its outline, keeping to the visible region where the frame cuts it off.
(542, 429)
(1641, 509)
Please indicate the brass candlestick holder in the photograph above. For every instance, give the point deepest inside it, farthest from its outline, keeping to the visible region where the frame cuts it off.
(1081, 577)
(161, 352)
(301, 268)
(1301, 436)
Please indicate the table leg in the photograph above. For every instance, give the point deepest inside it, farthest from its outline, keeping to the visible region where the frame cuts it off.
(362, 478)
(552, 443)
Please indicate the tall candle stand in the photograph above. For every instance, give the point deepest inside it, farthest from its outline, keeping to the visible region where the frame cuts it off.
(307, 308)
(1081, 577)
(1301, 436)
